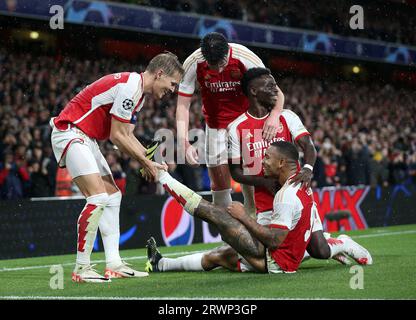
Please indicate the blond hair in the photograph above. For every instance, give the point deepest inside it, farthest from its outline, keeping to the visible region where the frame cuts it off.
(168, 62)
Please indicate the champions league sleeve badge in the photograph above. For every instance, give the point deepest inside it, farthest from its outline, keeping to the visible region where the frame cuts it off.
(128, 104)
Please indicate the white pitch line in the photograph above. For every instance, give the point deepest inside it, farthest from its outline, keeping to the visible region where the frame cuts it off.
(157, 298)
(374, 235)
(96, 261)
(191, 252)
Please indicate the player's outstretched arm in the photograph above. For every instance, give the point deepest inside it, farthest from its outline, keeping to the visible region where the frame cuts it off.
(272, 123)
(309, 154)
(122, 136)
(238, 175)
(182, 127)
(270, 237)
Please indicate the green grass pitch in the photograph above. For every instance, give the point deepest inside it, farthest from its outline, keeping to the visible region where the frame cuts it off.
(392, 276)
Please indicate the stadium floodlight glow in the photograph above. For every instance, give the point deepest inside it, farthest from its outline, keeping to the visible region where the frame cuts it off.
(356, 69)
(34, 35)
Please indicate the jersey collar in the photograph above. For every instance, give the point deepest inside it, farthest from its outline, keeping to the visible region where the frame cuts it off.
(251, 116)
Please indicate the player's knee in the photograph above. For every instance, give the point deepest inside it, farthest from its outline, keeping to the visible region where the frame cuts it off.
(101, 199)
(209, 261)
(114, 199)
(326, 252)
(220, 186)
(322, 251)
(259, 264)
(220, 178)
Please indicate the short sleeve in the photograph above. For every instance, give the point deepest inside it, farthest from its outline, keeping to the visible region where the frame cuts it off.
(234, 147)
(282, 215)
(129, 98)
(285, 209)
(295, 125)
(246, 56)
(187, 85)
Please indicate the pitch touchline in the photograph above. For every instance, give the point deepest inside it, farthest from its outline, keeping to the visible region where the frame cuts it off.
(383, 234)
(96, 261)
(189, 252)
(155, 298)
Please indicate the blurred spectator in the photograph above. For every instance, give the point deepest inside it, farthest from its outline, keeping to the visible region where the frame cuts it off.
(379, 171)
(39, 182)
(64, 185)
(398, 168)
(357, 161)
(412, 167)
(118, 173)
(319, 177)
(133, 178)
(14, 178)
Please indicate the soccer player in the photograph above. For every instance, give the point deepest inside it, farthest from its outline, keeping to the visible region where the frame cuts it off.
(247, 149)
(276, 248)
(106, 109)
(218, 66)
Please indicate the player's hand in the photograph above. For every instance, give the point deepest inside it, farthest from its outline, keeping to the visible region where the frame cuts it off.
(236, 210)
(191, 156)
(150, 170)
(270, 127)
(304, 176)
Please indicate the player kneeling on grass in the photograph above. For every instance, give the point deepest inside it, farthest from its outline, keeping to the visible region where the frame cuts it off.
(106, 109)
(277, 248)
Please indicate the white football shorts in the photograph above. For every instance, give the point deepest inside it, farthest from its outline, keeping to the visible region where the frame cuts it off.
(216, 147)
(77, 152)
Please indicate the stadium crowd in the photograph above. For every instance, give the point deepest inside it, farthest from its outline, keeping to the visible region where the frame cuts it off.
(383, 20)
(364, 133)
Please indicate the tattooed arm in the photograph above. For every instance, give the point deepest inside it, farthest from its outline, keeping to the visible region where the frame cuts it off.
(238, 175)
(270, 237)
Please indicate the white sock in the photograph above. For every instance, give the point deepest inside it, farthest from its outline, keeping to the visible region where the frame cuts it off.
(109, 225)
(249, 203)
(87, 226)
(185, 196)
(191, 262)
(222, 198)
(337, 246)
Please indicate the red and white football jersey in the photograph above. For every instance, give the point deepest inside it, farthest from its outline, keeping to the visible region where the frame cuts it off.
(222, 97)
(246, 144)
(294, 210)
(118, 95)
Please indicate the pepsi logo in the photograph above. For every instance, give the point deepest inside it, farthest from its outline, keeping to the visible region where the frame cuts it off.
(177, 225)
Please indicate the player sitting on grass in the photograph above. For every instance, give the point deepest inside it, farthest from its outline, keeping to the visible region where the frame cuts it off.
(277, 248)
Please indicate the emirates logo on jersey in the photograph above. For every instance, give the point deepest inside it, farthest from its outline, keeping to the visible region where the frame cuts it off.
(259, 147)
(222, 86)
(128, 104)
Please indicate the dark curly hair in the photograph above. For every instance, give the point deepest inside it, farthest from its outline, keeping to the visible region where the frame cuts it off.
(250, 75)
(214, 47)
